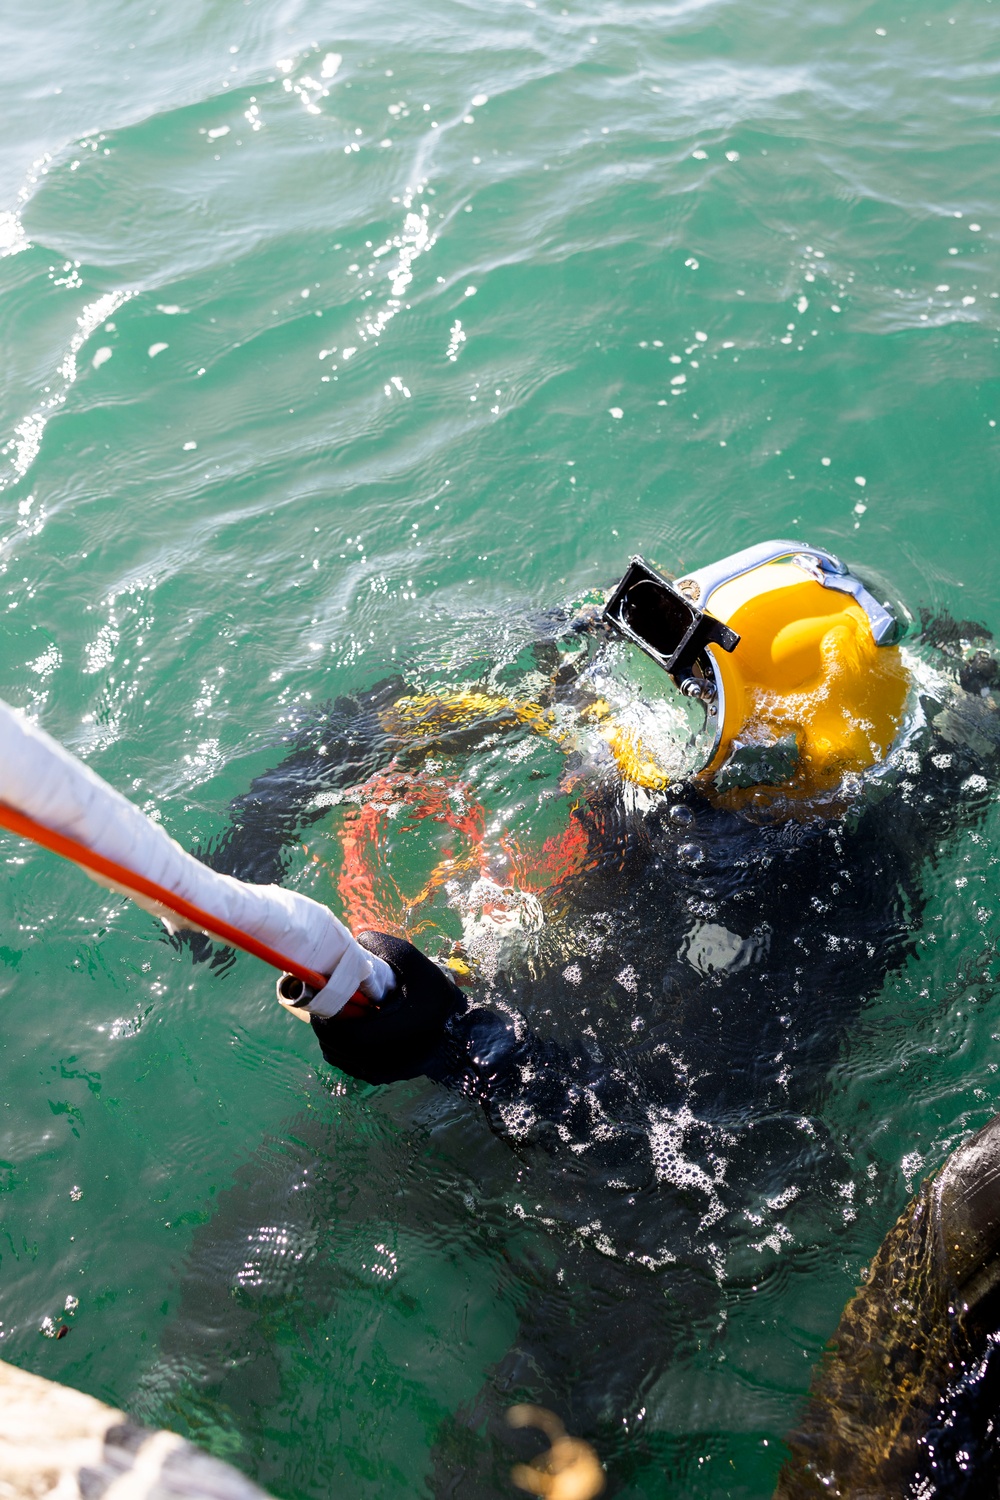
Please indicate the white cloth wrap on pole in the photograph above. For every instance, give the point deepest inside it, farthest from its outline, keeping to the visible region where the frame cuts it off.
(47, 783)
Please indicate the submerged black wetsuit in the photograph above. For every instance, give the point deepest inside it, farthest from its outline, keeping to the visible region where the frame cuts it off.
(670, 1066)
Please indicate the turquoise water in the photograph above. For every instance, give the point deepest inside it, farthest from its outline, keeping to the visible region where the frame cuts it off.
(343, 340)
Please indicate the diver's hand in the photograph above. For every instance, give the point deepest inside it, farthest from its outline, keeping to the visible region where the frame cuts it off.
(395, 1037)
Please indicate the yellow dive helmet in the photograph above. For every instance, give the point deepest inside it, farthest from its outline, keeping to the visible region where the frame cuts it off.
(792, 656)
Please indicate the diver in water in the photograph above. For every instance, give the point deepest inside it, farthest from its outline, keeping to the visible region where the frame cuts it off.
(702, 955)
(804, 819)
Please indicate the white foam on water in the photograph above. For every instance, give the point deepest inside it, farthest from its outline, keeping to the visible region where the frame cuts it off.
(667, 1129)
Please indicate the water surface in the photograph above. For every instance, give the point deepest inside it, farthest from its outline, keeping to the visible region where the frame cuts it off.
(343, 340)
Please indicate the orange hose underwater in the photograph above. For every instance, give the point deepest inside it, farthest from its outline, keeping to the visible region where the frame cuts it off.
(59, 843)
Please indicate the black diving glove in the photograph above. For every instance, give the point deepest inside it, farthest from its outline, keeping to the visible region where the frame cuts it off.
(398, 1036)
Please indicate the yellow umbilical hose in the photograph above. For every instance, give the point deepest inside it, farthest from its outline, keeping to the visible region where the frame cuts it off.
(432, 715)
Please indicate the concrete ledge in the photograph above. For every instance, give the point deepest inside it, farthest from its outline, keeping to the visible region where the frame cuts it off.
(59, 1443)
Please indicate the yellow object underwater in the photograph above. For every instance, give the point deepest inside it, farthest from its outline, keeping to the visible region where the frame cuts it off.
(435, 717)
(806, 667)
(432, 715)
(791, 655)
(569, 1469)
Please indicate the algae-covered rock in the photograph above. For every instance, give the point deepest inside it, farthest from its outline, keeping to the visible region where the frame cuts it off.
(906, 1341)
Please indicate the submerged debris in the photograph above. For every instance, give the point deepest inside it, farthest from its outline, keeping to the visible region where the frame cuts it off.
(569, 1469)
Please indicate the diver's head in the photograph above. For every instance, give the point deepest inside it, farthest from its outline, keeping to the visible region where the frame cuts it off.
(792, 656)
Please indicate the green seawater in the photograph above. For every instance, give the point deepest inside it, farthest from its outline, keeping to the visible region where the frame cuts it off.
(334, 337)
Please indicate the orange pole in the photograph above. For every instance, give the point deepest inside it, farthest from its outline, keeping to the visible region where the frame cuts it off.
(72, 849)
